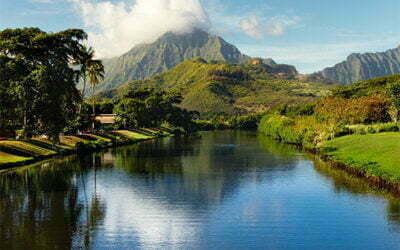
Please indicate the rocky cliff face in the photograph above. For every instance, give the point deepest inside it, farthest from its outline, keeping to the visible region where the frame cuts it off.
(145, 60)
(364, 66)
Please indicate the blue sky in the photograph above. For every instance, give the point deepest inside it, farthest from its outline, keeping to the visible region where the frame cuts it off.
(309, 34)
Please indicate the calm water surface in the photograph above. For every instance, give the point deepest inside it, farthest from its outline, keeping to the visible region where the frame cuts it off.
(226, 190)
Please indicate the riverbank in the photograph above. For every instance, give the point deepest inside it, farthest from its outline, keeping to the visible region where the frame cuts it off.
(372, 156)
(15, 153)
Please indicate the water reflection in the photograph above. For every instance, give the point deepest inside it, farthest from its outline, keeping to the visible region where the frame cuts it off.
(225, 190)
(346, 183)
(40, 207)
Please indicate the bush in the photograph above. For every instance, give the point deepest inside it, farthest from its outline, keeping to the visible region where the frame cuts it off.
(366, 109)
(246, 122)
(303, 130)
(280, 128)
(374, 128)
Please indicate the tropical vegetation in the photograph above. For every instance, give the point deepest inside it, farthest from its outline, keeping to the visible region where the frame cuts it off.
(356, 125)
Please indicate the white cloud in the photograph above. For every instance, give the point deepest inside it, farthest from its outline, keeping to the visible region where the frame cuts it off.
(279, 25)
(114, 28)
(256, 28)
(252, 27)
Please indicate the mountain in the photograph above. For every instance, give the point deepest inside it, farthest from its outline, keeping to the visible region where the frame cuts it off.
(143, 61)
(364, 66)
(215, 87)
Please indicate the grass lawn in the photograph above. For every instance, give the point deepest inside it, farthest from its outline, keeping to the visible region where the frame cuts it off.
(132, 135)
(26, 148)
(12, 151)
(377, 154)
(9, 158)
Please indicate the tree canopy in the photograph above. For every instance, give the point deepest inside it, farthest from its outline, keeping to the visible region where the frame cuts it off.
(151, 108)
(37, 85)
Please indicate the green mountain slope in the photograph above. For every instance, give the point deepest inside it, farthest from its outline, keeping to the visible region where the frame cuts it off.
(364, 66)
(213, 88)
(145, 60)
(367, 87)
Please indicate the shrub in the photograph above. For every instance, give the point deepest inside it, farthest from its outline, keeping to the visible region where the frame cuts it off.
(304, 130)
(280, 128)
(366, 109)
(374, 128)
(246, 122)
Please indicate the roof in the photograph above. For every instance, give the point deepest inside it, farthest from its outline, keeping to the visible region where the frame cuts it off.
(106, 118)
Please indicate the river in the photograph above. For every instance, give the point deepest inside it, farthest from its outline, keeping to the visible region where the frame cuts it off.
(225, 190)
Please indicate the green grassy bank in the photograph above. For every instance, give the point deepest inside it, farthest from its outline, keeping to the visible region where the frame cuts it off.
(20, 152)
(378, 155)
(370, 151)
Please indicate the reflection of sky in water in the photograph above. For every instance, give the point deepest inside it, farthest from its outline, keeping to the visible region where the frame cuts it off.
(236, 203)
(197, 194)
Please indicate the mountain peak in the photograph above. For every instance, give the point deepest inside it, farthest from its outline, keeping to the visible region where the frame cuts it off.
(145, 60)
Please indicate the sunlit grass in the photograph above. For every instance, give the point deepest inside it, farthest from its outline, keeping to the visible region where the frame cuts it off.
(9, 158)
(27, 148)
(19, 151)
(377, 154)
(132, 135)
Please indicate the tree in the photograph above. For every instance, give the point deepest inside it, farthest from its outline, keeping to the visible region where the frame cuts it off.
(9, 111)
(394, 92)
(95, 71)
(84, 60)
(151, 108)
(37, 72)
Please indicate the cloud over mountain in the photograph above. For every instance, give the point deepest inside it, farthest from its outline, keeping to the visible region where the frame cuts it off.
(115, 27)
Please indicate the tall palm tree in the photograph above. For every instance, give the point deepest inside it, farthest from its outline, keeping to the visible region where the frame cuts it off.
(95, 73)
(84, 59)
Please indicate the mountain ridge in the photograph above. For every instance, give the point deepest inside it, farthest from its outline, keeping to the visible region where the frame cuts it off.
(365, 66)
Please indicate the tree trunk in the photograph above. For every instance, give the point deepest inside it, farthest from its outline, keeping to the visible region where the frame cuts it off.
(94, 111)
(83, 95)
(25, 135)
(84, 86)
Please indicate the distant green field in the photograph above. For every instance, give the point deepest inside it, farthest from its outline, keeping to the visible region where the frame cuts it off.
(377, 154)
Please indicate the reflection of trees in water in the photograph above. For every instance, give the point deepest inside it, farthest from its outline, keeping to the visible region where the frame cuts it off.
(345, 182)
(285, 151)
(201, 172)
(393, 213)
(40, 207)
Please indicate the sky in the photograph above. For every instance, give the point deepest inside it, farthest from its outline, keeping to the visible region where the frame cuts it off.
(309, 34)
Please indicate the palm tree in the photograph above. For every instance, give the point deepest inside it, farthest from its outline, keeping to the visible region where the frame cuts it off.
(84, 59)
(95, 73)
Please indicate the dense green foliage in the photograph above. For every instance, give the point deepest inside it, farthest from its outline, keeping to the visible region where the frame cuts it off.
(228, 89)
(364, 107)
(150, 108)
(394, 92)
(37, 84)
